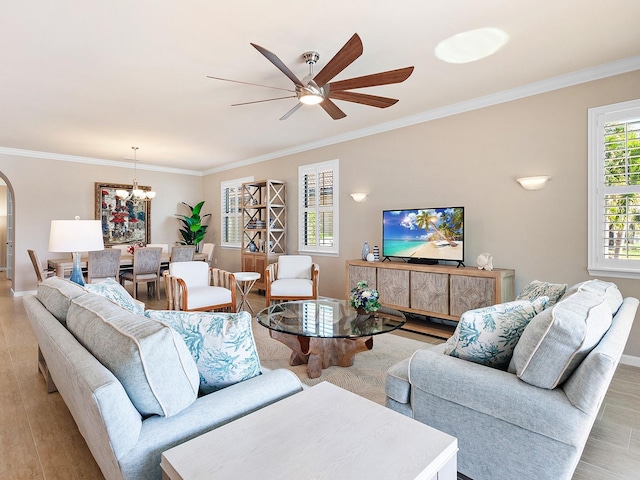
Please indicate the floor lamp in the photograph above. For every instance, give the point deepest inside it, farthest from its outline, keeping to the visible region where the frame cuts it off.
(76, 236)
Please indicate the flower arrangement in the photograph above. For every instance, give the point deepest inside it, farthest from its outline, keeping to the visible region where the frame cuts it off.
(133, 246)
(365, 298)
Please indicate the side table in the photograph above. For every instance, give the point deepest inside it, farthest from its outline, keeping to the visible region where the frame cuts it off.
(245, 281)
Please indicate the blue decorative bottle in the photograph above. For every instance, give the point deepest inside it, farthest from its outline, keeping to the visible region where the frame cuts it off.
(365, 250)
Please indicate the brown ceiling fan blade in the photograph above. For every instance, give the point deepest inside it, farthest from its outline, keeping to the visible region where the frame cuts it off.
(273, 58)
(291, 112)
(261, 101)
(332, 109)
(373, 80)
(341, 60)
(248, 83)
(364, 99)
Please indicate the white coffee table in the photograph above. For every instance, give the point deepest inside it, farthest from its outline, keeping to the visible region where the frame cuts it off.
(245, 282)
(321, 432)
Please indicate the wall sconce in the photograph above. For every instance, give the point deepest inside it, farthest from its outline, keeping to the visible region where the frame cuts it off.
(359, 197)
(533, 183)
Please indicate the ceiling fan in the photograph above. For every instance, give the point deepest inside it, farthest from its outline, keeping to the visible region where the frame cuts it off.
(317, 89)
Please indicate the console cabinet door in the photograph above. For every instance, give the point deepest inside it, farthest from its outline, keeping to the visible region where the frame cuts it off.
(430, 292)
(468, 293)
(362, 274)
(393, 286)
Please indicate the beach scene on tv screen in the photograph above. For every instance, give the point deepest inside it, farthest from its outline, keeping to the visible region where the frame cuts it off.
(435, 233)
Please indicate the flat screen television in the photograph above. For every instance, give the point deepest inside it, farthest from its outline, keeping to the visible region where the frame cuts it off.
(424, 235)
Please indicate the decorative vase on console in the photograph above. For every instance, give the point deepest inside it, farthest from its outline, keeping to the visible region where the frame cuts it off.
(365, 250)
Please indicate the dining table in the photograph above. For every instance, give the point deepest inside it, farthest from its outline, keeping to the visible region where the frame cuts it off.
(63, 266)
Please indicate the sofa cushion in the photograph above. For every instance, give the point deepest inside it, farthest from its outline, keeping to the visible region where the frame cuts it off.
(537, 289)
(488, 335)
(221, 344)
(607, 290)
(294, 266)
(149, 358)
(56, 293)
(115, 292)
(558, 339)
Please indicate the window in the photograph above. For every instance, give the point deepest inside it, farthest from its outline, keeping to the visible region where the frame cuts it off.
(614, 190)
(231, 215)
(318, 208)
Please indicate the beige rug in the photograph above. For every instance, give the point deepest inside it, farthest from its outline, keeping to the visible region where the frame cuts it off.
(367, 375)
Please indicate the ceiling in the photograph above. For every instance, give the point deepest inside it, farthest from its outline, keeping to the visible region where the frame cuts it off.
(92, 79)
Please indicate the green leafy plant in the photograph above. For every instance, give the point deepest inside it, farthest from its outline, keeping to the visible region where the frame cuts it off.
(364, 297)
(193, 230)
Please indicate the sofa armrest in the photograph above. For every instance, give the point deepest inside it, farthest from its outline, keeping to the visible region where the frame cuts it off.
(206, 413)
(495, 393)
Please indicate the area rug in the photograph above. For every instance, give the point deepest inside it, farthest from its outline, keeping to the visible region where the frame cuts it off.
(367, 375)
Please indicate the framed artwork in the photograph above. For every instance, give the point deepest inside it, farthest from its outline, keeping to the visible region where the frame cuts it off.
(123, 221)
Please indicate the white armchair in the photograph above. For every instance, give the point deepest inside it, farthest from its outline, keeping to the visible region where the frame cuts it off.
(194, 286)
(294, 277)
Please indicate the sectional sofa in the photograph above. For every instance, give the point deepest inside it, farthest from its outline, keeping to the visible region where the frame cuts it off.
(141, 398)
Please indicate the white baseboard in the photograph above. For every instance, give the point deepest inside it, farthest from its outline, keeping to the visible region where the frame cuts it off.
(630, 360)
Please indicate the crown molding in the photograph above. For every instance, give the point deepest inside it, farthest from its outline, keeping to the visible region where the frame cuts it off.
(563, 81)
(95, 161)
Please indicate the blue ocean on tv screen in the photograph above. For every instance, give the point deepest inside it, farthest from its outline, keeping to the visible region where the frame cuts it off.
(436, 233)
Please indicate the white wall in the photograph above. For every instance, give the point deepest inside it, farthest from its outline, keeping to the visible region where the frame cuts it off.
(46, 189)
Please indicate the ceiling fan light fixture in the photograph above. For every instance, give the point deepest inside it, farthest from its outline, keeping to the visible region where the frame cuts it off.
(472, 45)
(311, 98)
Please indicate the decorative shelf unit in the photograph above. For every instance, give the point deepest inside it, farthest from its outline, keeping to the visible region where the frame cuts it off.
(264, 233)
(443, 292)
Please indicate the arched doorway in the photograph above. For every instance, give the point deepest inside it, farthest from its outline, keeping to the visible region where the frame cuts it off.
(7, 231)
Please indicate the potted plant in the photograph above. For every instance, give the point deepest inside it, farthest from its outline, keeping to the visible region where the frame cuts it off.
(193, 230)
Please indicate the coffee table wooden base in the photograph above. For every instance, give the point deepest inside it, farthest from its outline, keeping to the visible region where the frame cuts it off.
(319, 353)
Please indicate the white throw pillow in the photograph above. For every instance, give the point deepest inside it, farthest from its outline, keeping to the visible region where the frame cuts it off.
(221, 344)
(488, 335)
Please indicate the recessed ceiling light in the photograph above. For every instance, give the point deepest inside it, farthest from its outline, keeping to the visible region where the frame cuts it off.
(471, 46)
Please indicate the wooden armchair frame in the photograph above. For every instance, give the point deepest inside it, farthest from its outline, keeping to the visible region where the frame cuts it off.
(178, 292)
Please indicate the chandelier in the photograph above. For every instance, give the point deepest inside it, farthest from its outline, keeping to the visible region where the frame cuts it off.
(136, 194)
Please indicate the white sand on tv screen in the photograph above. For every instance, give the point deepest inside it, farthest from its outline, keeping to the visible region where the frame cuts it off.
(439, 251)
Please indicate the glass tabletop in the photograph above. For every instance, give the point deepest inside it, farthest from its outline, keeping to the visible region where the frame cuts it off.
(328, 318)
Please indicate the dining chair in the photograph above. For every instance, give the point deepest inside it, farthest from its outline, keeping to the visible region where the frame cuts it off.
(194, 286)
(103, 264)
(182, 253)
(164, 246)
(146, 269)
(207, 249)
(294, 277)
(41, 273)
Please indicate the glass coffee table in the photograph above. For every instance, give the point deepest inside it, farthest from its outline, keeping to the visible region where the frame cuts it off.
(326, 332)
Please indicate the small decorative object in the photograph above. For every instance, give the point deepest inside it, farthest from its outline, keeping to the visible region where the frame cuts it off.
(485, 261)
(365, 250)
(133, 246)
(376, 253)
(252, 247)
(364, 299)
(371, 258)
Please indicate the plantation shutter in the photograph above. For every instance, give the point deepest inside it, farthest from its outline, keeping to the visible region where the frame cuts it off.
(231, 211)
(318, 207)
(621, 217)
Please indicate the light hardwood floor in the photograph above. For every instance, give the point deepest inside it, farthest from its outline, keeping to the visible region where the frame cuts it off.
(39, 439)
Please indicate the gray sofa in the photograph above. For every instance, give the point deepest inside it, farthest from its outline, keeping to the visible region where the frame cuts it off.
(125, 443)
(506, 427)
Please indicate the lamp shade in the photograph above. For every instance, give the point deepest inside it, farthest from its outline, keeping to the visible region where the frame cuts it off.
(75, 236)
